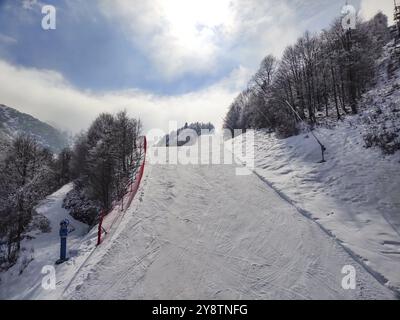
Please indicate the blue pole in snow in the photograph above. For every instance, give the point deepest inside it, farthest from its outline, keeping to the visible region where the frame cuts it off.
(63, 249)
(63, 237)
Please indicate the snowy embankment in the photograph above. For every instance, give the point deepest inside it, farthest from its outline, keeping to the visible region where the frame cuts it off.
(354, 196)
(203, 232)
(40, 249)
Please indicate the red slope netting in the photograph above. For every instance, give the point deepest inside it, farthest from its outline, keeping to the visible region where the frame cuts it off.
(107, 220)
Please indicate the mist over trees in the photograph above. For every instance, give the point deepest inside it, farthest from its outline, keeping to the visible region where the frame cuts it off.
(320, 76)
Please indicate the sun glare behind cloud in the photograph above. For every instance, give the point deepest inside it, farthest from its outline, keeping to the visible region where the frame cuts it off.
(196, 27)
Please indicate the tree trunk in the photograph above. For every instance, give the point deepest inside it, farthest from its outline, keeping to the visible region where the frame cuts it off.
(335, 93)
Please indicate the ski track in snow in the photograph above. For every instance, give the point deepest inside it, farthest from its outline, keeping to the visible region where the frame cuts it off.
(201, 232)
(353, 196)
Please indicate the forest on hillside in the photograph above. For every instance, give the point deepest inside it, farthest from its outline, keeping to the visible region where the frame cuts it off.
(99, 164)
(318, 79)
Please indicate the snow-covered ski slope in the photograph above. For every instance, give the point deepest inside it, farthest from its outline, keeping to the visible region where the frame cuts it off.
(354, 196)
(202, 232)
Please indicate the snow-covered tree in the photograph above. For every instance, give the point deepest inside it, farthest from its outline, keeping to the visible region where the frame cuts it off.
(102, 161)
(320, 76)
(27, 176)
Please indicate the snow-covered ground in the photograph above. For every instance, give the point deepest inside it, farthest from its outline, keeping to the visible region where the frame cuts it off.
(43, 250)
(355, 195)
(202, 232)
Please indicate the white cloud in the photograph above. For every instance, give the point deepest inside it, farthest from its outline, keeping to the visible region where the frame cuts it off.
(29, 4)
(192, 36)
(176, 35)
(179, 37)
(47, 96)
(5, 39)
(32, 4)
(371, 7)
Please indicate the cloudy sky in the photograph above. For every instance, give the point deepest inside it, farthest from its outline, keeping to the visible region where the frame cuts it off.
(161, 60)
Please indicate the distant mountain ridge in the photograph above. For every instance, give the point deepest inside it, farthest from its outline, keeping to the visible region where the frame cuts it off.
(13, 122)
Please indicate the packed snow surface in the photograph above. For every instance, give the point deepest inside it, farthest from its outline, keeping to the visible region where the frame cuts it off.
(203, 232)
(354, 196)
